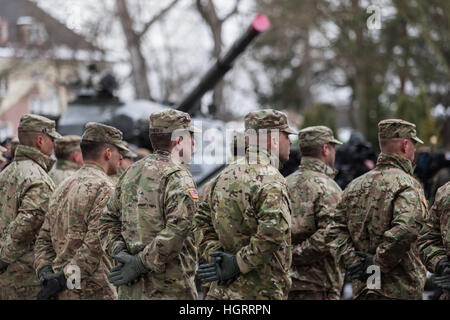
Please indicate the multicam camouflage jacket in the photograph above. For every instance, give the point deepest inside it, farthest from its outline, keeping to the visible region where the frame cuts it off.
(314, 196)
(248, 213)
(151, 212)
(434, 243)
(69, 235)
(382, 213)
(25, 189)
(63, 170)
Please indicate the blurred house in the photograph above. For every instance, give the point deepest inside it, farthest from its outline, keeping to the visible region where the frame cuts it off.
(40, 59)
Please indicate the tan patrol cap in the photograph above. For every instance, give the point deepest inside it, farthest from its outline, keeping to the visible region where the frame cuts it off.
(128, 154)
(316, 136)
(397, 128)
(68, 144)
(99, 132)
(35, 123)
(168, 121)
(268, 119)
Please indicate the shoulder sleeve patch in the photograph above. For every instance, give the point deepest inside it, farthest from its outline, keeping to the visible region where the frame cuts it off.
(193, 193)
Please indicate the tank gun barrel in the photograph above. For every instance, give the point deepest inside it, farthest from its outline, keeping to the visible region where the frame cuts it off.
(259, 24)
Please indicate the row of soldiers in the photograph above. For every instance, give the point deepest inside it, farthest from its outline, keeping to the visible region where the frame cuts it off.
(249, 234)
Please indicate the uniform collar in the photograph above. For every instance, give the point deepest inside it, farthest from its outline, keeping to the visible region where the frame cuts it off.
(30, 153)
(317, 165)
(392, 160)
(262, 156)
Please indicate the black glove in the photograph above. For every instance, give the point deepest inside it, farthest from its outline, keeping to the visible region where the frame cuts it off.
(3, 266)
(128, 268)
(359, 269)
(443, 266)
(223, 268)
(45, 273)
(442, 281)
(52, 284)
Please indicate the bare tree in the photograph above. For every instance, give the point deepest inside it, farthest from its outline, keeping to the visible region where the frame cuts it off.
(208, 12)
(134, 44)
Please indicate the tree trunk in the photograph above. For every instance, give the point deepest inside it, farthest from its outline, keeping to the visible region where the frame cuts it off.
(138, 63)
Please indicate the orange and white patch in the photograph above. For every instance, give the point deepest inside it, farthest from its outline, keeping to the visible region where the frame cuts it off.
(193, 193)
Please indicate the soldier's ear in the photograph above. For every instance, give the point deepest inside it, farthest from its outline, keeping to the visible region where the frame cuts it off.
(107, 153)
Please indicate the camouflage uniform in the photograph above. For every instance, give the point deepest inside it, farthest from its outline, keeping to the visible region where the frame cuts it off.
(314, 196)
(151, 213)
(125, 154)
(434, 244)
(382, 213)
(2, 151)
(69, 235)
(25, 189)
(65, 168)
(247, 213)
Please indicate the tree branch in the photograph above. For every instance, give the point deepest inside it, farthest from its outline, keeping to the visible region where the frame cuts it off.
(232, 12)
(161, 14)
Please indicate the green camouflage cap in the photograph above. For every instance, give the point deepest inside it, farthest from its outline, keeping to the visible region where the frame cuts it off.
(397, 128)
(99, 132)
(316, 136)
(128, 154)
(2, 150)
(168, 121)
(267, 119)
(68, 144)
(35, 123)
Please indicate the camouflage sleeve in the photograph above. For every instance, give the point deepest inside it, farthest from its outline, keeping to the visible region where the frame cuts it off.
(338, 237)
(110, 225)
(44, 253)
(82, 238)
(206, 239)
(404, 232)
(22, 232)
(180, 203)
(316, 247)
(430, 244)
(273, 215)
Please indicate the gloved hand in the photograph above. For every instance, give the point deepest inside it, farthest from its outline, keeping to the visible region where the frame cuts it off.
(442, 281)
(128, 268)
(45, 273)
(52, 284)
(359, 269)
(443, 266)
(3, 266)
(223, 268)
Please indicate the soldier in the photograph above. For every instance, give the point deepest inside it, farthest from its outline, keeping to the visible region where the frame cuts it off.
(69, 158)
(25, 189)
(128, 158)
(246, 225)
(68, 239)
(147, 225)
(434, 243)
(380, 215)
(314, 196)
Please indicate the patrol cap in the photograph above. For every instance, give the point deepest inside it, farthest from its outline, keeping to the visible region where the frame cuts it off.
(128, 154)
(99, 132)
(316, 136)
(2, 150)
(269, 119)
(68, 144)
(35, 123)
(168, 121)
(397, 128)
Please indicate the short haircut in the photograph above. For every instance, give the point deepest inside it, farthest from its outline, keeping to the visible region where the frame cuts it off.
(311, 151)
(161, 141)
(28, 138)
(390, 145)
(92, 150)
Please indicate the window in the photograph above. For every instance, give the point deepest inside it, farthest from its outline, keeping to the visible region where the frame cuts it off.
(31, 31)
(3, 31)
